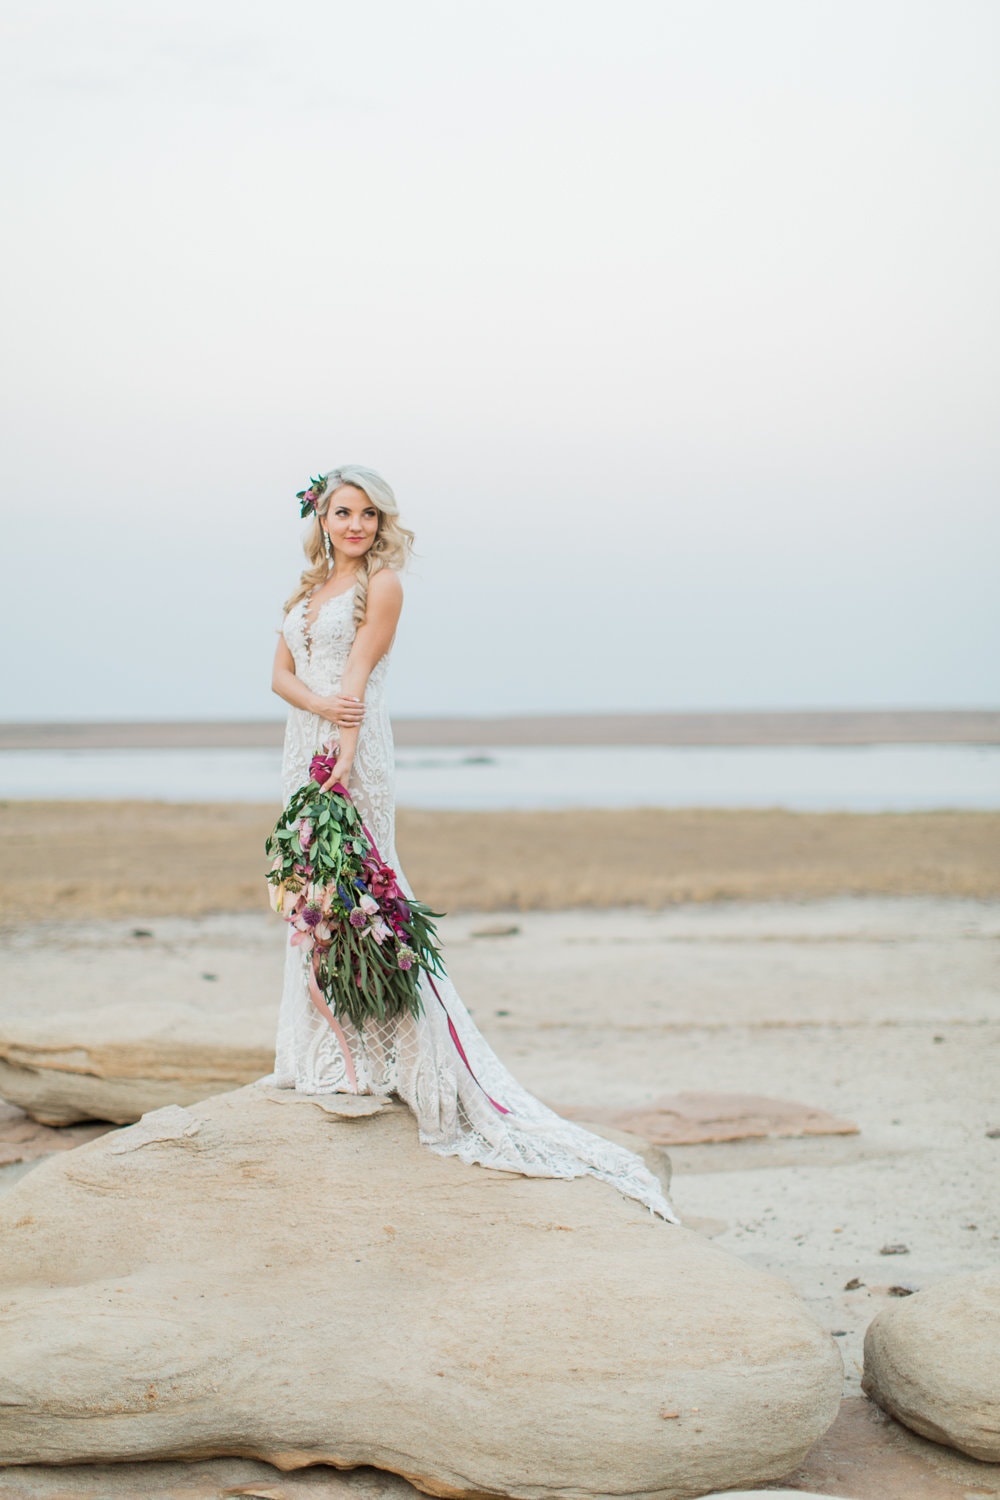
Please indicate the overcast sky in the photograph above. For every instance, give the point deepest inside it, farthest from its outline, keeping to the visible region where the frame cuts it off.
(672, 322)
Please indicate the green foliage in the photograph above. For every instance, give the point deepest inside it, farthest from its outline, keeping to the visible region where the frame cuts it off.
(368, 942)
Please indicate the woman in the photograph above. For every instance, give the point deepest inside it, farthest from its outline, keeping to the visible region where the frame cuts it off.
(330, 667)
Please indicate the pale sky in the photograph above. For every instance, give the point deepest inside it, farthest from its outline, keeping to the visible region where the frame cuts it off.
(673, 323)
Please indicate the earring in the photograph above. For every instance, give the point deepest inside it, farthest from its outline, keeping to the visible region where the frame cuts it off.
(327, 544)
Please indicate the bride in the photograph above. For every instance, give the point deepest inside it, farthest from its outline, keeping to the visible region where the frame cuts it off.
(330, 668)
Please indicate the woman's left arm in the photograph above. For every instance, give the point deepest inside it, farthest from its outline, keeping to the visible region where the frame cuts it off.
(374, 637)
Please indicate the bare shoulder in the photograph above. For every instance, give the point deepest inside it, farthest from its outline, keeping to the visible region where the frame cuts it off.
(385, 588)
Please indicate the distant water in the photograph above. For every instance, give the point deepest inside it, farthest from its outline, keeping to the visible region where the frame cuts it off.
(877, 778)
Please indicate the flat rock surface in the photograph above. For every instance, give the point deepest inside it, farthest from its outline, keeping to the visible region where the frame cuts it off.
(23, 1139)
(866, 1455)
(257, 1278)
(933, 1361)
(106, 1025)
(692, 1119)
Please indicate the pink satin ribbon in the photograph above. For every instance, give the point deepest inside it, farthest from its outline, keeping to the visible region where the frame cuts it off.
(316, 996)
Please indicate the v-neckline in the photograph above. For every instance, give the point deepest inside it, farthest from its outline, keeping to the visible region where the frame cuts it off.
(330, 598)
(308, 626)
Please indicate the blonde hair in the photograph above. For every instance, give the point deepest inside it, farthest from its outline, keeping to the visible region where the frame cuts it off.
(390, 549)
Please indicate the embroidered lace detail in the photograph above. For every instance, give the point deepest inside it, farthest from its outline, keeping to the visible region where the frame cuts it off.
(417, 1058)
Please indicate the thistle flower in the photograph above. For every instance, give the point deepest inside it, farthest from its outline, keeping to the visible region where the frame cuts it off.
(406, 958)
(358, 918)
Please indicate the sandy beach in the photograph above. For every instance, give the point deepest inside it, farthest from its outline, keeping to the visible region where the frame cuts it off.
(74, 860)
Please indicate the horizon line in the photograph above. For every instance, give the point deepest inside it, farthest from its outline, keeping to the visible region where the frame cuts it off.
(743, 726)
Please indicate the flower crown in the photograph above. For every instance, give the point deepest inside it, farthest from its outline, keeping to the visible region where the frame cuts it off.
(308, 498)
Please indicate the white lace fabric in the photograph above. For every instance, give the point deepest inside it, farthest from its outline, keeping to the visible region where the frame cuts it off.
(454, 1100)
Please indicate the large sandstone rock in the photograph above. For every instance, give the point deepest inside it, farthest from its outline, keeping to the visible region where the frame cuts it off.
(262, 1276)
(228, 1478)
(933, 1362)
(210, 1479)
(59, 1083)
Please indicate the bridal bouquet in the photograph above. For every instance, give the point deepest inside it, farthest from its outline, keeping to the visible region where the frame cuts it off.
(368, 943)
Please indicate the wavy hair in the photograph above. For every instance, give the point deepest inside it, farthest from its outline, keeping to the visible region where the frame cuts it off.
(390, 549)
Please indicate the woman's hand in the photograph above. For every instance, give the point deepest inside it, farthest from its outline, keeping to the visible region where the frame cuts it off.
(341, 709)
(341, 772)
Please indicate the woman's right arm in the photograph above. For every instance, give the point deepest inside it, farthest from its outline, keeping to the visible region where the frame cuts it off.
(339, 709)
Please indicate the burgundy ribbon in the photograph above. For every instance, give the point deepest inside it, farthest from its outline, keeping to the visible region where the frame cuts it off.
(316, 996)
(461, 1050)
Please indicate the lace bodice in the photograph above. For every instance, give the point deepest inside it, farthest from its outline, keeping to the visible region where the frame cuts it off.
(320, 663)
(466, 1102)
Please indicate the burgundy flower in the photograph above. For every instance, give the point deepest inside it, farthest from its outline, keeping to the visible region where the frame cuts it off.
(381, 880)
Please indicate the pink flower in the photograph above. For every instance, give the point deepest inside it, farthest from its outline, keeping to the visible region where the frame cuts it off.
(380, 930)
(305, 832)
(303, 940)
(368, 905)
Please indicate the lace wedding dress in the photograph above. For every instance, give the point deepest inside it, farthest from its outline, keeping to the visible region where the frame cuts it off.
(465, 1101)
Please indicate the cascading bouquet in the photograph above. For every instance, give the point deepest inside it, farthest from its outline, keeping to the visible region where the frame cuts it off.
(368, 942)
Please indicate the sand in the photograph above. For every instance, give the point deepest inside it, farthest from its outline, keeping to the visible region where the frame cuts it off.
(80, 860)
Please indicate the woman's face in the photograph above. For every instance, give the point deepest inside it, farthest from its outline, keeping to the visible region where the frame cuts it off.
(351, 520)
